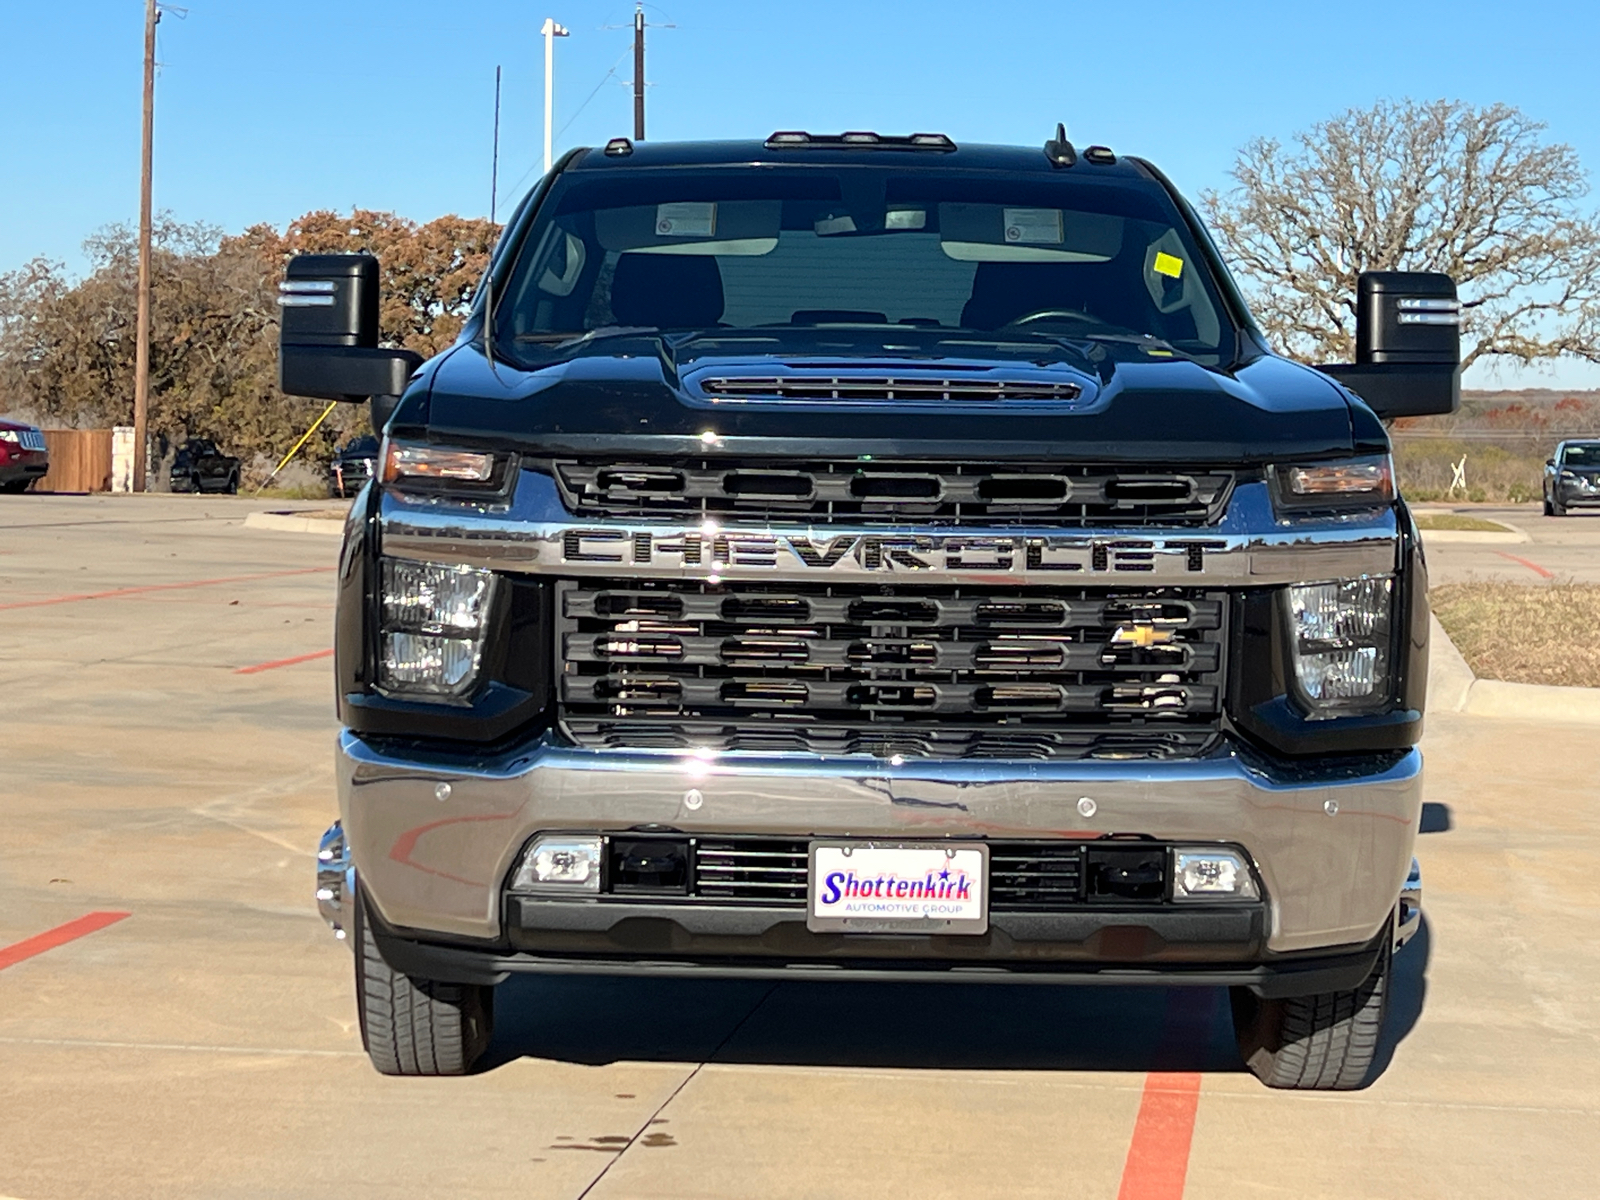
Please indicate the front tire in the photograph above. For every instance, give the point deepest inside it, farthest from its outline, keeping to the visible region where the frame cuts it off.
(412, 1026)
(1323, 1042)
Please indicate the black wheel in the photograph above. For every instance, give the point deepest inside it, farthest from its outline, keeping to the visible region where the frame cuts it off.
(1548, 511)
(15, 486)
(1324, 1042)
(413, 1026)
(1557, 509)
(232, 488)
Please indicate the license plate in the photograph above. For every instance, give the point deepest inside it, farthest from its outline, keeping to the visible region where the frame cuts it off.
(898, 887)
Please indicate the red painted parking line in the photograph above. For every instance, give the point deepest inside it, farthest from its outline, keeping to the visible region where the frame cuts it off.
(1158, 1156)
(1532, 566)
(162, 587)
(284, 662)
(10, 956)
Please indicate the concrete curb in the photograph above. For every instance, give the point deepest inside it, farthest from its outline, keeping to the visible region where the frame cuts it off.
(1453, 686)
(288, 522)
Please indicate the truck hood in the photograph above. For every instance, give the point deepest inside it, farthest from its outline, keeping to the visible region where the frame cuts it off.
(639, 392)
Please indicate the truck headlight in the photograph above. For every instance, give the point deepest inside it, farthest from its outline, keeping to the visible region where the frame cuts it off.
(1210, 873)
(1339, 638)
(434, 621)
(1343, 484)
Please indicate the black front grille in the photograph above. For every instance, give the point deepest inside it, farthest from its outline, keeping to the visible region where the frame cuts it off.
(770, 872)
(919, 670)
(861, 490)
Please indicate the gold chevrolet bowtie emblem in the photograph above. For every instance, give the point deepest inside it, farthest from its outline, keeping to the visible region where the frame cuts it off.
(1143, 636)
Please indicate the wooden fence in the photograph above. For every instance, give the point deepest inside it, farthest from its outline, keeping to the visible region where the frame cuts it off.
(80, 461)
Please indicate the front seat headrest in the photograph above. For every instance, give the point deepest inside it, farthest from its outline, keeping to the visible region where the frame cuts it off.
(667, 291)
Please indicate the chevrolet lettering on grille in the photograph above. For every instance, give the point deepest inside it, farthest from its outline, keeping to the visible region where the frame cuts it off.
(853, 554)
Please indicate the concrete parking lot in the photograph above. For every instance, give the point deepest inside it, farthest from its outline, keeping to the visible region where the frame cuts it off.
(1558, 548)
(166, 727)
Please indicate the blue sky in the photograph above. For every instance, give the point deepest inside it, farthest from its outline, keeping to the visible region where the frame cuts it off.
(266, 109)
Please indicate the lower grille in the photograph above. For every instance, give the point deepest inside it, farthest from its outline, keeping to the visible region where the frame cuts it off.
(943, 742)
(771, 872)
(915, 670)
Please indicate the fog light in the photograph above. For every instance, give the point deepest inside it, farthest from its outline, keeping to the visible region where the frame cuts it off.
(1210, 874)
(559, 863)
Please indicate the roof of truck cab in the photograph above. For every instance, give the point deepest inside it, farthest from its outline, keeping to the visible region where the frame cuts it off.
(1029, 160)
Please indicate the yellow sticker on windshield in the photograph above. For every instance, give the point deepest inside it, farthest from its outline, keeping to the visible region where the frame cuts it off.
(1168, 264)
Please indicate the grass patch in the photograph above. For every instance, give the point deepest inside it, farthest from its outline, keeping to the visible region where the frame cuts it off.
(1439, 520)
(1512, 473)
(1524, 634)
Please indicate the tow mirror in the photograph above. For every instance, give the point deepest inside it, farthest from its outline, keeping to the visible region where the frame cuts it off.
(1408, 344)
(328, 334)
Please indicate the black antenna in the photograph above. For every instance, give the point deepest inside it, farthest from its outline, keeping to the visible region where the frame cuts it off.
(494, 188)
(1058, 150)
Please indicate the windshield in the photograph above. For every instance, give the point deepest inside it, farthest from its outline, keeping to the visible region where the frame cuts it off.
(761, 248)
(1587, 455)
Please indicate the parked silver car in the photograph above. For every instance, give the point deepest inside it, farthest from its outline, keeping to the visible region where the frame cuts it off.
(1572, 478)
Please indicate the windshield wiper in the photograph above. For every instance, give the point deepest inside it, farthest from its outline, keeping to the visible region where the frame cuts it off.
(1145, 341)
(562, 341)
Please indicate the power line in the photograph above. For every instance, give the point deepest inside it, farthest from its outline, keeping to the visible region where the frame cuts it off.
(511, 191)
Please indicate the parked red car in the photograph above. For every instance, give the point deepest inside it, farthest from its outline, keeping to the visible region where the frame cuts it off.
(23, 457)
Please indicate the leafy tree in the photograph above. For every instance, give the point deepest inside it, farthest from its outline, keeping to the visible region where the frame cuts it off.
(430, 272)
(1443, 186)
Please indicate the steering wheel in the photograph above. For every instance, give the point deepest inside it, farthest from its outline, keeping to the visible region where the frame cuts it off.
(1056, 314)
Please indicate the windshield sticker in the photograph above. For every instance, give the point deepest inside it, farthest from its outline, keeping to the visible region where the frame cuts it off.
(1169, 264)
(1033, 226)
(686, 219)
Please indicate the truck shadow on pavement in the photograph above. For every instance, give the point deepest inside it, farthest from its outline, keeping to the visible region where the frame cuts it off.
(942, 1026)
(949, 1026)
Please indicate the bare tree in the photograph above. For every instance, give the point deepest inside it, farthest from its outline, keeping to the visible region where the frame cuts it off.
(1404, 186)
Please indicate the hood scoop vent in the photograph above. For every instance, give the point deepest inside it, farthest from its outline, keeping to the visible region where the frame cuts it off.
(890, 385)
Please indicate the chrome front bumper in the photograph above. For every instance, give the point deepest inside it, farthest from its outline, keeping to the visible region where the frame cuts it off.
(1408, 912)
(435, 838)
(336, 881)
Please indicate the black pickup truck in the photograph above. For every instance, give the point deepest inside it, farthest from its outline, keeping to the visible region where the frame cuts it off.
(200, 467)
(868, 557)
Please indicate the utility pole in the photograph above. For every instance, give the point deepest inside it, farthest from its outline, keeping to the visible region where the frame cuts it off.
(551, 32)
(638, 73)
(141, 365)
